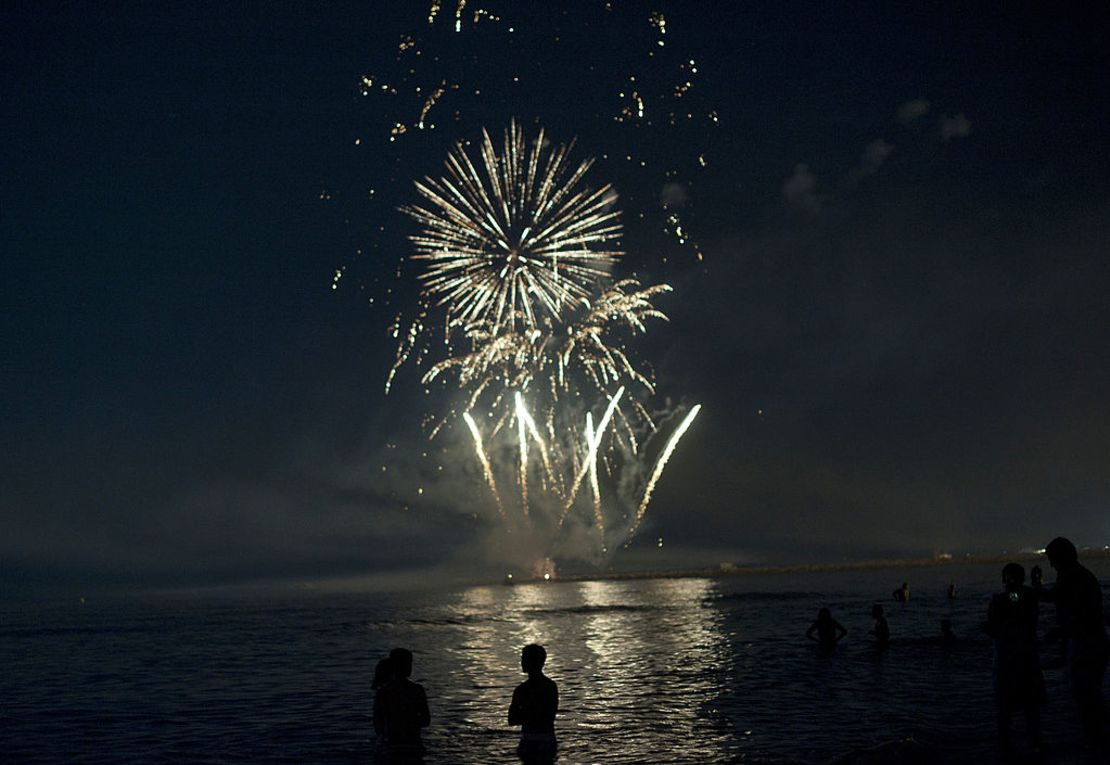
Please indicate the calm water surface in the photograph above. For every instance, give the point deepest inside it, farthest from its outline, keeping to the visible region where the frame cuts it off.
(649, 671)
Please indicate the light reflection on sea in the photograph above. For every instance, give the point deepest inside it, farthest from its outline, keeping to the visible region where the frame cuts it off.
(649, 671)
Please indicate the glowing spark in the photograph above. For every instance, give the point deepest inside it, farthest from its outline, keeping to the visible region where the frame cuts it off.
(522, 413)
(593, 438)
(523, 455)
(660, 464)
(428, 104)
(486, 471)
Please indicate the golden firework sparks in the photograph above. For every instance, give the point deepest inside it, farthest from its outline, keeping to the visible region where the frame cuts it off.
(518, 241)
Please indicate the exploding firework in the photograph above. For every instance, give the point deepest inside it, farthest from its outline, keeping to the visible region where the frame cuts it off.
(517, 252)
(520, 241)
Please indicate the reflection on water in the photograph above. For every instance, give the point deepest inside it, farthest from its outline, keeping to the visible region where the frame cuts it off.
(631, 659)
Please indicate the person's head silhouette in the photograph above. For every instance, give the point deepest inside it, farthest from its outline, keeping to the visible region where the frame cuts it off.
(383, 673)
(532, 658)
(1013, 575)
(402, 661)
(1061, 553)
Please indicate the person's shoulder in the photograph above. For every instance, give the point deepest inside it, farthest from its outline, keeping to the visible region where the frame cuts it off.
(409, 687)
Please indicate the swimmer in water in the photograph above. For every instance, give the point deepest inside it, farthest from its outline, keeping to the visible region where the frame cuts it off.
(881, 630)
(826, 631)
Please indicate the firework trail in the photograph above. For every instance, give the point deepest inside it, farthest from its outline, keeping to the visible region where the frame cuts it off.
(487, 472)
(659, 465)
(522, 413)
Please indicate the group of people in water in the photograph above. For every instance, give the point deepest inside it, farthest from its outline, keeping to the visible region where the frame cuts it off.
(401, 709)
(1012, 622)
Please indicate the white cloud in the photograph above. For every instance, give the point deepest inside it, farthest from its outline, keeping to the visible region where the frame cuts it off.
(954, 127)
(874, 156)
(911, 110)
(800, 189)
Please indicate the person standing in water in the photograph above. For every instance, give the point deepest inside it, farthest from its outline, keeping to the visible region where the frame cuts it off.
(881, 630)
(826, 631)
(1018, 683)
(400, 711)
(1080, 622)
(534, 705)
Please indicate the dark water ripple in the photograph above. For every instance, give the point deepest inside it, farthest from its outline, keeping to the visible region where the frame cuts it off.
(650, 671)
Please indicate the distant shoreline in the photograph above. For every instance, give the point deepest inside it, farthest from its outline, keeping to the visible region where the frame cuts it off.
(729, 569)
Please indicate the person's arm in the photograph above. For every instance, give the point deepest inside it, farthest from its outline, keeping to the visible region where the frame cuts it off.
(840, 631)
(379, 714)
(812, 629)
(550, 700)
(423, 716)
(516, 713)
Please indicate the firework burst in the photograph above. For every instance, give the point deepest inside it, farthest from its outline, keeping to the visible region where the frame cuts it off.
(517, 242)
(518, 254)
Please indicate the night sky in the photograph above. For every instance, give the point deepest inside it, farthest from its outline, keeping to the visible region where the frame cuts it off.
(899, 326)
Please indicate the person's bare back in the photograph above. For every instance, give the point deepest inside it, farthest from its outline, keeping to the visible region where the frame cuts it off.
(534, 706)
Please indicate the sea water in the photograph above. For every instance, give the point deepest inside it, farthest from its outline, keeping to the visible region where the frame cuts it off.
(681, 670)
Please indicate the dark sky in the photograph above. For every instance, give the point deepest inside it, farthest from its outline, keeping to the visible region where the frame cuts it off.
(900, 331)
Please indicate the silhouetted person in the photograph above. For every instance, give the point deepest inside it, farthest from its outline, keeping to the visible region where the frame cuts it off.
(881, 630)
(400, 711)
(952, 591)
(902, 594)
(826, 631)
(1079, 621)
(1018, 683)
(383, 673)
(1036, 578)
(534, 704)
